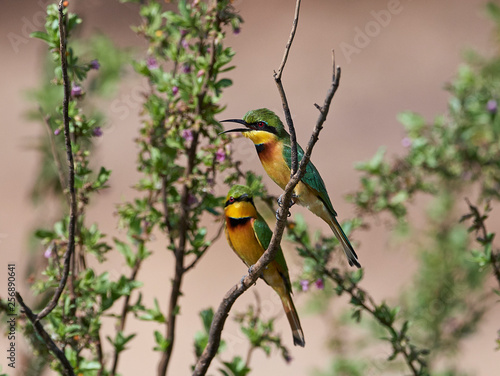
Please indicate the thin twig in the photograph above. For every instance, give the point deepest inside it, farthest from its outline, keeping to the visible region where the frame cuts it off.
(123, 315)
(71, 176)
(480, 225)
(290, 41)
(238, 289)
(100, 357)
(46, 337)
(166, 211)
(281, 90)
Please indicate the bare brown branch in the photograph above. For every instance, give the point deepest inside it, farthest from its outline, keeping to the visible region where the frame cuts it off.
(238, 289)
(68, 370)
(290, 41)
(281, 90)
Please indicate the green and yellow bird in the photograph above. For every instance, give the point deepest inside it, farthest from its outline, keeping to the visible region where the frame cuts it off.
(273, 146)
(249, 236)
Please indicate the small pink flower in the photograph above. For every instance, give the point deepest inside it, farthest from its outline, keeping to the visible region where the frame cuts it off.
(320, 285)
(220, 155)
(200, 73)
(184, 44)
(491, 106)
(406, 142)
(48, 252)
(97, 132)
(57, 131)
(151, 63)
(304, 284)
(175, 90)
(94, 64)
(187, 134)
(76, 90)
(192, 200)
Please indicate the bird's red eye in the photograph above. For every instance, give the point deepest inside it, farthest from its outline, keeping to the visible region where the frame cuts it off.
(231, 199)
(260, 124)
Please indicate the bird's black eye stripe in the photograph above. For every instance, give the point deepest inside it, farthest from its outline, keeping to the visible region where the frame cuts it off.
(262, 126)
(244, 197)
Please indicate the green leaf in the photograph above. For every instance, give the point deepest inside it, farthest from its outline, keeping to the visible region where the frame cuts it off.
(41, 35)
(161, 341)
(126, 251)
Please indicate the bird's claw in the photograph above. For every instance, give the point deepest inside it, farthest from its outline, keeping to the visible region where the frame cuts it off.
(292, 201)
(280, 204)
(277, 214)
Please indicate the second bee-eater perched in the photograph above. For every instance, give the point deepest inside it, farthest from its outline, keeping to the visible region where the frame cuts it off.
(273, 146)
(249, 236)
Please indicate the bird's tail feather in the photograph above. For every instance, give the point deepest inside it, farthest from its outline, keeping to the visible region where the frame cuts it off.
(352, 257)
(293, 319)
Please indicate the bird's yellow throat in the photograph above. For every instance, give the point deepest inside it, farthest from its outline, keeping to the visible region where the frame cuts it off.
(260, 137)
(240, 209)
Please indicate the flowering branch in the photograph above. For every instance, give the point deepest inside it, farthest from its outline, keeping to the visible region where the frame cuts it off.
(362, 300)
(71, 167)
(35, 318)
(485, 238)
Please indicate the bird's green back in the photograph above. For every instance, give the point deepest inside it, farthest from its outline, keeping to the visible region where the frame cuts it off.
(264, 235)
(312, 177)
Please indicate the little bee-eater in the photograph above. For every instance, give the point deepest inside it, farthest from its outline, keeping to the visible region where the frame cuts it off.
(249, 236)
(273, 146)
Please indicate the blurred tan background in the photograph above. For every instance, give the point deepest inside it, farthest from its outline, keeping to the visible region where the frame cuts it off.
(402, 66)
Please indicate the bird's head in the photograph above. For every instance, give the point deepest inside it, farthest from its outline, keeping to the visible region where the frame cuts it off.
(239, 202)
(260, 126)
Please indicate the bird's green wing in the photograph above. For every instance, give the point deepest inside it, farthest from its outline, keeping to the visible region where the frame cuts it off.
(264, 235)
(312, 177)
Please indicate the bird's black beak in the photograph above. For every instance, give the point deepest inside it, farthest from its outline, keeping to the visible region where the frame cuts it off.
(239, 121)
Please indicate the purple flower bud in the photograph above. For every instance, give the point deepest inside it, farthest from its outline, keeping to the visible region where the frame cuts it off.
(187, 134)
(236, 30)
(220, 155)
(200, 73)
(97, 132)
(48, 251)
(94, 64)
(175, 90)
(406, 142)
(76, 90)
(151, 63)
(304, 284)
(186, 68)
(288, 358)
(57, 131)
(184, 43)
(491, 106)
(183, 33)
(320, 285)
(192, 200)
